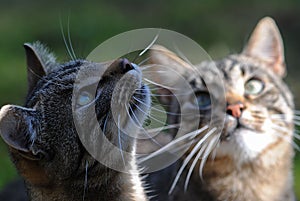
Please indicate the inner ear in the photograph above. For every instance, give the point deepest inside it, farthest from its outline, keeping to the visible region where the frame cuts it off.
(18, 130)
(35, 68)
(266, 45)
(40, 61)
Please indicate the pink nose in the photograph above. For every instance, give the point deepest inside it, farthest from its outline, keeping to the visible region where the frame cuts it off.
(235, 110)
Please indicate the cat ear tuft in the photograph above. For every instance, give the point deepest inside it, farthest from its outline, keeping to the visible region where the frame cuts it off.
(17, 130)
(266, 45)
(39, 62)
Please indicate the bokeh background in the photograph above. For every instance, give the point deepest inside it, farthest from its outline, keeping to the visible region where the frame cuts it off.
(220, 27)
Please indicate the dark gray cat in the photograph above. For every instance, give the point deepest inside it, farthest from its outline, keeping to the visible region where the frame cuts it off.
(43, 137)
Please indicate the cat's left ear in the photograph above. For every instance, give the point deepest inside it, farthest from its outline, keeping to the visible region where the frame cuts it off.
(266, 45)
(18, 130)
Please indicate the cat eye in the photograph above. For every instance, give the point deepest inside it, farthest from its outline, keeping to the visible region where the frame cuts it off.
(84, 98)
(203, 100)
(254, 87)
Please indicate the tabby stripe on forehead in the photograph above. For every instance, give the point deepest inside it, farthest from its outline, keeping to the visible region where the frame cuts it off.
(55, 80)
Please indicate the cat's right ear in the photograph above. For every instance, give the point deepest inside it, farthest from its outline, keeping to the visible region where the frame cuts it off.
(266, 45)
(40, 61)
(18, 130)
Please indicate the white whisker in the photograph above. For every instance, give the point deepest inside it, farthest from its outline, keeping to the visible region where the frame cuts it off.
(297, 112)
(212, 144)
(69, 38)
(64, 39)
(141, 126)
(120, 142)
(142, 62)
(157, 120)
(157, 84)
(85, 179)
(189, 157)
(174, 142)
(150, 45)
(193, 166)
(287, 139)
(153, 108)
(296, 135)
(154, 130)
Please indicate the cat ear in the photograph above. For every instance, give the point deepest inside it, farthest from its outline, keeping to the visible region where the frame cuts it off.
(266, 45)
(162, 56)
(39, 61)
(17, 129)
(164, 66)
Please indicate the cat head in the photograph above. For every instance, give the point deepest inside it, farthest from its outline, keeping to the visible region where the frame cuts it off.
(258, 113)
(74, 112)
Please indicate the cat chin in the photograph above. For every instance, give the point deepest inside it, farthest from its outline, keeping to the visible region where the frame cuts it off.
(244, 145)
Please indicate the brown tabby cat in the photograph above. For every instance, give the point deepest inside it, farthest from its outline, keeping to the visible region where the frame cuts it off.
(251, 158)
(44, 143)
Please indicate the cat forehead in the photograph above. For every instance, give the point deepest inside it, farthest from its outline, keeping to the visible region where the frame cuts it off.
(78, 74)
(228, 69)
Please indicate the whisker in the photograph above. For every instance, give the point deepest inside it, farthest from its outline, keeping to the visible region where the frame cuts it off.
(142, 62)
(166, 95)
(212, 144)
(150, 45)
(147, 66)
(104, 126)
(287, 139)
(163, 123)
(64, 39)
(296, 135)
(154, 130)
(206, 150)
(297, 117)
(193, 166)
(85, 180)
(174, 142)
(184, 58)
(120, 142)
(188, 158)
(297, 112)
(157, 84)
(141, 126)
(153, 108)
(278, 128)
(69, 38)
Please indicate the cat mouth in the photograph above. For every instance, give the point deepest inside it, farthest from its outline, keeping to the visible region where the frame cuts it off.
(233, 126)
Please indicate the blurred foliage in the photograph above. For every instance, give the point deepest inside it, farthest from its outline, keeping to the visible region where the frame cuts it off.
(220, 27)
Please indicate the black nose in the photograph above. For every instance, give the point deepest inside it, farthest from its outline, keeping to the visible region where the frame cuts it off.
(125, 66)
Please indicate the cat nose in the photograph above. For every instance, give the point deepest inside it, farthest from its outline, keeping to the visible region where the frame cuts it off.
(235, 110)
(125, 66)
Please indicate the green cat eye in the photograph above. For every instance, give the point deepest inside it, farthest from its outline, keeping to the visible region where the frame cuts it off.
(203, 100)
(254, 87)
(84, 98)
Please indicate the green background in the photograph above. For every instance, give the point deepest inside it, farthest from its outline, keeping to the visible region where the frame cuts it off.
(220, 27)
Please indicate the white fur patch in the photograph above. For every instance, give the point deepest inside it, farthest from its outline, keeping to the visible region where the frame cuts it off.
(245, 145)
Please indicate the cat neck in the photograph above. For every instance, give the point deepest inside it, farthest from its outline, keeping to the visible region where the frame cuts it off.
(117, 186)
(111, 185)
(223, 179)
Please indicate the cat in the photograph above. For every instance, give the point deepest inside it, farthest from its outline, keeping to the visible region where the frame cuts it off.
(251, 158)
(43, 137)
